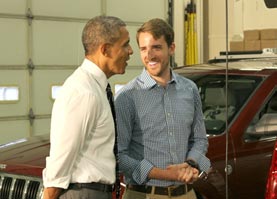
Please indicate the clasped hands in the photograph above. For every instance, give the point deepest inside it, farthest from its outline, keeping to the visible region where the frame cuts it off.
(183, 172)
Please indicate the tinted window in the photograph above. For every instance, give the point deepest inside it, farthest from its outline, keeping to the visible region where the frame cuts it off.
(264, 124)
(215, 97)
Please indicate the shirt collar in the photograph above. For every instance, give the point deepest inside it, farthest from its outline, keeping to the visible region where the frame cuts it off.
(97, 73)
(148, 82)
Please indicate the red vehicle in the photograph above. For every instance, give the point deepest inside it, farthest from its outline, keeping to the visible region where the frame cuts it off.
(244, 98)
(248, 105)
(21, 165)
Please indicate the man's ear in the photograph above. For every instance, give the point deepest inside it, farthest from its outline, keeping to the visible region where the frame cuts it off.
(105, 49)
(172, 49)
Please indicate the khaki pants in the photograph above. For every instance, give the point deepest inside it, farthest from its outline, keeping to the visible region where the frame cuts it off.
(130, 194)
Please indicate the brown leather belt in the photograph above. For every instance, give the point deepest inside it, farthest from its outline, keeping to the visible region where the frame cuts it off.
(92, 185)
(170, 191)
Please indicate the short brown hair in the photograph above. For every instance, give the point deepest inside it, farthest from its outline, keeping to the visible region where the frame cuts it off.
(157, 27)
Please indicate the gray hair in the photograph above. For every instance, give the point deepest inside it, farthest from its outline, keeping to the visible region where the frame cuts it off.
(100, 30)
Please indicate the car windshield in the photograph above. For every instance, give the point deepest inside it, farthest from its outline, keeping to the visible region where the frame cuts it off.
(216, 106)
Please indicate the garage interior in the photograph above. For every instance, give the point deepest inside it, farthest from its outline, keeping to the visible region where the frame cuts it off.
(40, 46)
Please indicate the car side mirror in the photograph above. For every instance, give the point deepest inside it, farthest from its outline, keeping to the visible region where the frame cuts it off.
(266, 126)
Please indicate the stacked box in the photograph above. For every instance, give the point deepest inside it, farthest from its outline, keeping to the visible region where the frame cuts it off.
(250, 35)
(268, 44)
(252, 45)
(268, 38)
(236, 46)
(252, 40)
(268, 34)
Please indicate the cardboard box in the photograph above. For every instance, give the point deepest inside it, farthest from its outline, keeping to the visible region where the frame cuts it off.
(252, 45)
(236, 46)
(267, 34)
(251, 35)
(268, 43)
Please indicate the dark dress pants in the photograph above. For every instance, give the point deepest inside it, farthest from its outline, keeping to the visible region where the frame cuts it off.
(84, 193)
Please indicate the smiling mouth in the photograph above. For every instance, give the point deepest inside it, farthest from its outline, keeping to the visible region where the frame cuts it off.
(152, 63)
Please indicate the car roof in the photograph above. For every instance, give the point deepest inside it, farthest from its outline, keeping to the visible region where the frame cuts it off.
(257, 66)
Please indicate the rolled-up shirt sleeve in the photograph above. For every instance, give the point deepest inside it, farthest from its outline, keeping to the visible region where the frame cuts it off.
(140, 174)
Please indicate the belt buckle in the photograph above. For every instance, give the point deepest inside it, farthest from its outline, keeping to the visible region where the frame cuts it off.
(170, 189)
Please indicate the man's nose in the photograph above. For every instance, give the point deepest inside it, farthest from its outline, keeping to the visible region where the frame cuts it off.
(150, 53)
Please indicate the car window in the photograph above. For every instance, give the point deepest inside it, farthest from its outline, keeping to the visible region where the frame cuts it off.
(264, 124)
(216, 106)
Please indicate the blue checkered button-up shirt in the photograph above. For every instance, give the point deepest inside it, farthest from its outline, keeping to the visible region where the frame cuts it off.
(158, 127)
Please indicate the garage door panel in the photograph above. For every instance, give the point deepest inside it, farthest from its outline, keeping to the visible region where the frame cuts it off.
(13, 41)
(15, 79)
(131, 73)
(72, 9)
(13, 6)
(57, 43)
(41, 126)
(43, 80)
(13, 130)
(49, 42)
(81, 51)
(135, 57)
(140, 10)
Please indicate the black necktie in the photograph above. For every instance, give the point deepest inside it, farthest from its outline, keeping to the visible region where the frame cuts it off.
(117, 182)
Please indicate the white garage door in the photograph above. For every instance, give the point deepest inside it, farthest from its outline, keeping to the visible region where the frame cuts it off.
(40, 45)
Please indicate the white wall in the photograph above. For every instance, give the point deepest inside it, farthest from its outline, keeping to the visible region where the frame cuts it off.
(257, 16)
(243, 15)
(217, 26)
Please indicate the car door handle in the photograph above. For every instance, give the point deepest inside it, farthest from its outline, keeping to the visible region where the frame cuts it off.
(228, 169)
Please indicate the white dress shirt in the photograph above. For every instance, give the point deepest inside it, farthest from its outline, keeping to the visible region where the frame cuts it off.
(82, 131)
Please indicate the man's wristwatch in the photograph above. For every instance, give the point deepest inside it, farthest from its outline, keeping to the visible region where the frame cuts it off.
(193, 164)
